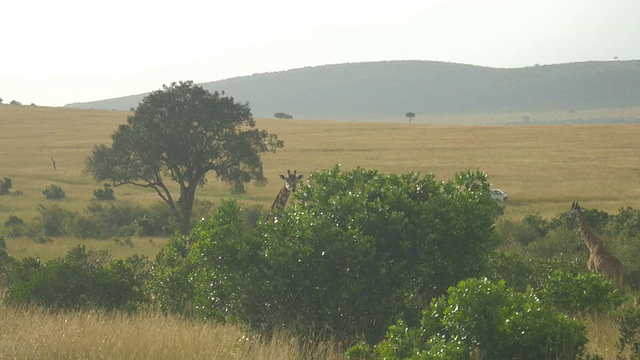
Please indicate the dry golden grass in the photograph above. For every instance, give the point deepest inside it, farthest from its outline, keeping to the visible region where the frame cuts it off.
(542, 168)
(603, 335)
(36, 334)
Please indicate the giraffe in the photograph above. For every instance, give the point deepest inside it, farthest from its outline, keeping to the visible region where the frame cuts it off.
(290, 184)
(600, 260)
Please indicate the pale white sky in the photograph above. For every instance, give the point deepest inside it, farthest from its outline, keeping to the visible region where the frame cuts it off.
(57, 52)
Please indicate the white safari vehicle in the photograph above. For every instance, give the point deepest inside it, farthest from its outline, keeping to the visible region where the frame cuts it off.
(499, 195)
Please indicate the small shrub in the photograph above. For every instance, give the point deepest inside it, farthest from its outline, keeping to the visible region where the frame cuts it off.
(16, 227)
(53, 192)
(106, 193)
(5, 186)
(13, 221)
(54, 219)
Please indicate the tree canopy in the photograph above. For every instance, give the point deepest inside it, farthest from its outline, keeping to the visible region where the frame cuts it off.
(179, 134)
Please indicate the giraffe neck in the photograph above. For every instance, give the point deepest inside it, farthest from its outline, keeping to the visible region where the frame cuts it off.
(590, 240)
(281, 199)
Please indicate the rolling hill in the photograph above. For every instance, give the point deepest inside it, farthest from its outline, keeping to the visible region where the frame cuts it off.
(387, 90)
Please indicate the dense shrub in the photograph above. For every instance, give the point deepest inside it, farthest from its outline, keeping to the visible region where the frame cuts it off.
(5, 186)
(80, 280)
(359, 249)
(54, 219)
(629, 327)
(486, 319)
(170, 282)
(53, 192)
(101, 220)
(106, 193)
(580, 292)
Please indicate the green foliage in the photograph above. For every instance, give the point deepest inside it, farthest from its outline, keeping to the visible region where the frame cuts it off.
(179, 134)
(101, 220)
(626, 223)
(106, 193)
(227, 259)
(54, 219)
(488, 320)
(580, 292)
(560, 283)
(80, 280)
(5, 186)
(629, 326)
(399, 239)
(170, 282)
(53, 192)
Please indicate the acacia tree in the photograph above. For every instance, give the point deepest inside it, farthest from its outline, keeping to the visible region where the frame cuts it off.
(179, 134)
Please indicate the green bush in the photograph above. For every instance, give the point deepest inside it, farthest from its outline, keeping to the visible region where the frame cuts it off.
(357, 250)
(488, 320)
(106, 193)
(170, 282)
(54, 219)
(100, 220)
(16, 227)
(53, 192)
(574, 293)
(80, 280)
(629, 326)
(5, 186)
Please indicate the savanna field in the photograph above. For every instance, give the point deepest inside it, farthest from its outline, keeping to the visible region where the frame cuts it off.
(543, 169)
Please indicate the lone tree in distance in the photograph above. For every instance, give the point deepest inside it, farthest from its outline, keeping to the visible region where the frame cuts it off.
(410, 116)
(179, 134)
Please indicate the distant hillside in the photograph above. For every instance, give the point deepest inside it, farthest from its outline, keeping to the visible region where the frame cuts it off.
(389, 89)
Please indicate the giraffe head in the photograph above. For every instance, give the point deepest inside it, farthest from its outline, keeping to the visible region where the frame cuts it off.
(575, 209)
(291, 181)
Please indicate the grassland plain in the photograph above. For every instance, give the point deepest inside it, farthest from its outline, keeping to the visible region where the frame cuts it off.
(542, 168)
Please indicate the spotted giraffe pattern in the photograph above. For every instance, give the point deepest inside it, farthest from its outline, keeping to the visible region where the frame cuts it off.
(290, 184)
(600, 260)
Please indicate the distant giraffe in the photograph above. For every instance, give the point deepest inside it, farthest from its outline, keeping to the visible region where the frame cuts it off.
(290, 184)
(600, 260)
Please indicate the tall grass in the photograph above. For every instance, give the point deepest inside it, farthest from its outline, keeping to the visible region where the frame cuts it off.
(29, 333)
(37, 334)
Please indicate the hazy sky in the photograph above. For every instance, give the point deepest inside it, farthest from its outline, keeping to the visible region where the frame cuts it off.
(58, 52)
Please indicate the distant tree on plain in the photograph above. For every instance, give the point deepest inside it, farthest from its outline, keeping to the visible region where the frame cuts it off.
(410, 116)
(15, 102)
(0, 100)
(281, 115)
